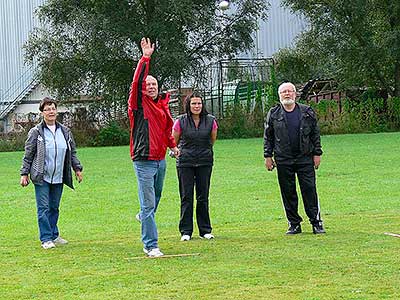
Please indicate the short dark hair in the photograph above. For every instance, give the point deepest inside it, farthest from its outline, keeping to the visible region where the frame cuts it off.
(47, 101)
(187, 103)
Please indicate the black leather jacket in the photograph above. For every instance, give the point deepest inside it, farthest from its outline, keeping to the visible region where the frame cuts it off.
(276, 137)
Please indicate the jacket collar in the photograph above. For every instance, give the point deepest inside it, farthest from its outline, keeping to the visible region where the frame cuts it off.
(42, 125)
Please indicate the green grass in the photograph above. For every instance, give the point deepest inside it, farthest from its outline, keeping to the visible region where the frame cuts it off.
(251, 257)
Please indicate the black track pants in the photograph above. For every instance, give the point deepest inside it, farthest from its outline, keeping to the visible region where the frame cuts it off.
(287, 182)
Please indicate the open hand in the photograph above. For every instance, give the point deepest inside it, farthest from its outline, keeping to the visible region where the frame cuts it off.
(147, 47)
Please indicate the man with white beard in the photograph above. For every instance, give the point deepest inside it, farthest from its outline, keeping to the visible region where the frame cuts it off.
(292, 144)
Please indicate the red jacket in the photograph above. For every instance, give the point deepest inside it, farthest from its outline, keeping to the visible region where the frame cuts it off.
(150, 120)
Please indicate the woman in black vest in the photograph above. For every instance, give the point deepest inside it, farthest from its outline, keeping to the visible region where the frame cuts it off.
(195, 133)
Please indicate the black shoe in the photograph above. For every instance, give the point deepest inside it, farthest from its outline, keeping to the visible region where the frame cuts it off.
(318, 228)
(294, 229)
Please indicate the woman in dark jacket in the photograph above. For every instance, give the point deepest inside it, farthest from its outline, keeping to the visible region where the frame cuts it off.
(195, 133)
(49, 156)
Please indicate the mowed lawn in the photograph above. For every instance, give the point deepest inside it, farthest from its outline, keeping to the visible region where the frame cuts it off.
(250, 258)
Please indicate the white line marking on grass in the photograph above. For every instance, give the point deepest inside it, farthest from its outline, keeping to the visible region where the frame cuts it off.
(392, 234)
(165, 256)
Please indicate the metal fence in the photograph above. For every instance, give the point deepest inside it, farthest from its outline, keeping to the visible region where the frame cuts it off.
(227, 82)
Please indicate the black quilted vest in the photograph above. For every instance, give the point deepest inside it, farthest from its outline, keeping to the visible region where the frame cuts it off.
(195, 143)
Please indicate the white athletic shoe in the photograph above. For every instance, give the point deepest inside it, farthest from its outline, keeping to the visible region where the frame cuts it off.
(185, 237)
(60, 241)
(137, 217)
(48, 245)
(207, 236)
(155, 252)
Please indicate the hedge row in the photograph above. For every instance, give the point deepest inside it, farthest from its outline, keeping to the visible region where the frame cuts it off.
(348, 116)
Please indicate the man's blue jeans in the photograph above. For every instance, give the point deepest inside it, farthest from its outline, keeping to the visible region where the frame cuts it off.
(48, 198)
(150, 176)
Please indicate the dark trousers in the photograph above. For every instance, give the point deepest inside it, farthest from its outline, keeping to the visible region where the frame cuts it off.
(287, 182)
(190, 177)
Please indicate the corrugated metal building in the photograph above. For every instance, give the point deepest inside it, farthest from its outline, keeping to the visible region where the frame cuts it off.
(16, 21)
(279, 31)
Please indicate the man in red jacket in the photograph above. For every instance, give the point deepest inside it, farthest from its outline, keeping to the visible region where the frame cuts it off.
(151, 127)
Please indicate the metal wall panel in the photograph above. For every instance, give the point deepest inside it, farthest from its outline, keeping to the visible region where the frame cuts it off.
(279, 31)
(17, 19)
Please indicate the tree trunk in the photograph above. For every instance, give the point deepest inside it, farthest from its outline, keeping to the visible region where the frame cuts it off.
(396, 92)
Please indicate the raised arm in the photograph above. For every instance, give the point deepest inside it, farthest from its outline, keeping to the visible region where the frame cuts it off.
(138, 85)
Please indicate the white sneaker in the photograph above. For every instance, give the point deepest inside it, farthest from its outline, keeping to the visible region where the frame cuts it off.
(137, 217)
(185, 237)
(155, 252)
(48, 245)
(207, 236)
(60, 241)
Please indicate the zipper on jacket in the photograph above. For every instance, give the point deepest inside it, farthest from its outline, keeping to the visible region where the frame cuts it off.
(55, 156)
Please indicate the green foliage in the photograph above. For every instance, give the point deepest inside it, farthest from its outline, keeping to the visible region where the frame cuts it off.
(91, 46)
(233, 125)
(393, 112)
(355, 116)
(245, 119)
(250, 258)
(271, 91)
(294, 65)
(355, 42)
(239, 122)
(12, 142)
(85, 137)
(113, 135)
(358, 115)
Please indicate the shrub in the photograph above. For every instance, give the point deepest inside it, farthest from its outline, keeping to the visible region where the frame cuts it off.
(358, 115)
(239, 123)
(85, 137)
(393, 112)
(12, 141)
(113, 135)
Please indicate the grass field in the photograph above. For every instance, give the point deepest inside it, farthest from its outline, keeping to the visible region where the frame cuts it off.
(250, 258)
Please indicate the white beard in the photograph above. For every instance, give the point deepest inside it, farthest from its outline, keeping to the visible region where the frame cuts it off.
(287, 101)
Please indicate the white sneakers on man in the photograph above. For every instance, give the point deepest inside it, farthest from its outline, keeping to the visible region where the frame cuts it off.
(155, 252)
(207, 236)
(60, 241)
(48, 245)
(185, 237)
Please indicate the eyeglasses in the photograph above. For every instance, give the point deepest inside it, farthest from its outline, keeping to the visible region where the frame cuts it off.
(286, 91)
(50, 109)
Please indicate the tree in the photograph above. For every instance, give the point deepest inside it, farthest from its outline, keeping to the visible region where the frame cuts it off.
(356, 41)
(90, 45)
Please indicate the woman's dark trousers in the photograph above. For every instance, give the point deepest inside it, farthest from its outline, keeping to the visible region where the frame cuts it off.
(190, 177)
